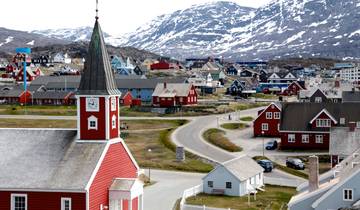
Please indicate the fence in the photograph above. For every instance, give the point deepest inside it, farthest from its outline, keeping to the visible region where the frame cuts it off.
(192, 192)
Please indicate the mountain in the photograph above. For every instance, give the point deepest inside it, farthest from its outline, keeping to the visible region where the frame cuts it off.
(283, 28)
(12, 39)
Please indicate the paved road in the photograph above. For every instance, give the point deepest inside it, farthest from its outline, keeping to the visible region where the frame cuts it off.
(190, 136)
(168, 188)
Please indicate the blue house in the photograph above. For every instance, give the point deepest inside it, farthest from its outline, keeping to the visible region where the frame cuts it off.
(121, 67)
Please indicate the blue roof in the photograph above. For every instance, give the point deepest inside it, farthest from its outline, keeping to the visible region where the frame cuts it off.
(343, 65)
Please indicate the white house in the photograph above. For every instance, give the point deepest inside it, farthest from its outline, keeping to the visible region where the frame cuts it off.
(236, 177)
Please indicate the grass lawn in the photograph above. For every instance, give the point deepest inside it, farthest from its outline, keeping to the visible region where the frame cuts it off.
(265, 96)
(234, 126)
(38, 110)
(162, 155)
(28, 123)
(148, 124)
(217, 138)
(247, 119)
(299, 173)
(274, 197)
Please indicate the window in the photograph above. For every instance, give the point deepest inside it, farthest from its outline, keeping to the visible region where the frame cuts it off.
(276, 115)
(228, 185)
(268, 115)
(92, 123)
(348, 194)
(305, 138)
(318, 99)
(291, 138)
(319, 139)
(181, 99)
(113, 122)
(323, 123)
(210, 184)
(342, 121)
(113, 103)
(18, 202)
(65, 203)
(358, 124)
(264, 126)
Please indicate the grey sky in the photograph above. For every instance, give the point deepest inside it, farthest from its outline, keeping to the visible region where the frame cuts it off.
(117, 16)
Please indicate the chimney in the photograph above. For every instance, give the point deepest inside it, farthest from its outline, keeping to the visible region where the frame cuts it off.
(352, 126)
(165, 85)
(313, 173)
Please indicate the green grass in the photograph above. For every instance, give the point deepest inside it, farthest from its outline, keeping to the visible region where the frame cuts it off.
(31, 123)
(274, 197)
(217, 138)
(247, 119)
(234, 126)
(285, 169)
(264, 96)
(38, 110)
(162, 155)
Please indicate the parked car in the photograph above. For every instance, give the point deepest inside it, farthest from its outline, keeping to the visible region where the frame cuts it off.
(266, 164)
(295, 163)
(271, 145)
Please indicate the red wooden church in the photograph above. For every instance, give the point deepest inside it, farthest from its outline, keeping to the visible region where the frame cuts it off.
(85, 169)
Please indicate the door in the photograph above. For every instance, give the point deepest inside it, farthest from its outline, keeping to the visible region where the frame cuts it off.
(114, 205)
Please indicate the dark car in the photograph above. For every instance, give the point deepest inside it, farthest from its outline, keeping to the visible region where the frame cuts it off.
(271, 145)
(295, 163)
(266, 164)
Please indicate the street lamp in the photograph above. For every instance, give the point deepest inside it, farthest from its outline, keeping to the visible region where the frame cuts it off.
(149, 151)
(263, 144)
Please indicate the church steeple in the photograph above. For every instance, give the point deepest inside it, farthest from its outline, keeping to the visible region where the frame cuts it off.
(98, 96)
(97, 78)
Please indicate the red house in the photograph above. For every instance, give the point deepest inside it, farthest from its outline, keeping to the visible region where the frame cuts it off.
(162, 65)
(53, 98)
(293, 89)
(15, 96)
(174, 94)
(307, 125)
(30, 74)
(267, 122)
(85, 169)
(126, 99)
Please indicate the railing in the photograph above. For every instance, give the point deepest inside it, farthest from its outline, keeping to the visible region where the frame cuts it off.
(193, 192)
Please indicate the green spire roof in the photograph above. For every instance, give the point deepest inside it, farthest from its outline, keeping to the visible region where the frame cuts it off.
(97, 78)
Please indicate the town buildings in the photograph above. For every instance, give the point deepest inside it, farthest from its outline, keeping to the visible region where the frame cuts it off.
(85, 169)
(173, 95)
(268, 120)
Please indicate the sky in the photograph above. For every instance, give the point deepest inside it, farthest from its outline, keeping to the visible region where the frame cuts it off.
(117, 16)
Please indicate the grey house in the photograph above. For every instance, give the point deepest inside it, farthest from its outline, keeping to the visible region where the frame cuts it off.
(236, 177)
(337, 189)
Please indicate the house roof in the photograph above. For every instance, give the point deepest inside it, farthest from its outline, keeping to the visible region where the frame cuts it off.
(290, 111)
(122, 82)
(351, 96)
(97, 78)
(123, 94)
(13, 91)
(242, 167)
(344, 142)
(56, 160)
(172, 89)
(51, 95)
(123, 184)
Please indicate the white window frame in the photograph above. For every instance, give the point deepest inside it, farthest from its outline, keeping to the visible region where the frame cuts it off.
(358, 124)
(13, 200)
(92, 119)
(347, 198)
(63, 203)
(210, 184)
(181, 99)
(323, 123)
(268, 115)
(291, 138)
(277, 115)
(305, 138)
(264, 126)
(318, 99)
(113, 103)
(317, 138)
(342, 121)
(113, 122)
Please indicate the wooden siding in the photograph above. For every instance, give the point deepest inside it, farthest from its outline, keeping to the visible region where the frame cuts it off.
(298, 144)
(114, 132)
(116, 164)
(273, 129)
(45, 200)
(98, 134)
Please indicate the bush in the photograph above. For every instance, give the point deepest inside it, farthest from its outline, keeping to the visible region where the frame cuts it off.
(217, 138)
